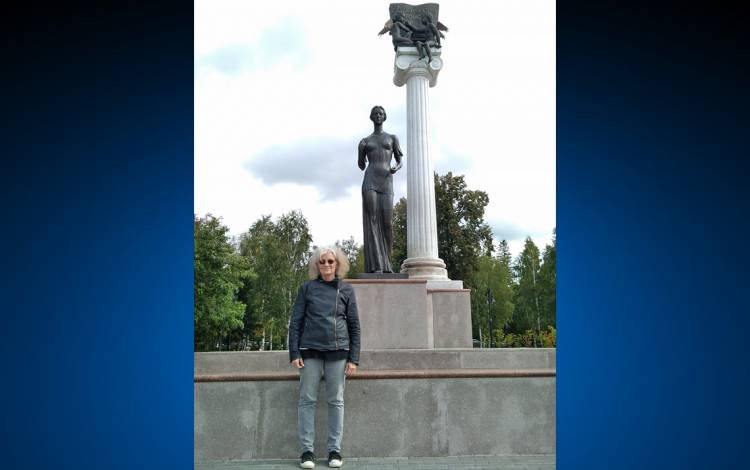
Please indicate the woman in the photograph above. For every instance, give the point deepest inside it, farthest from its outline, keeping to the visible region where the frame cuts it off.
(324, 339)
(377, 193)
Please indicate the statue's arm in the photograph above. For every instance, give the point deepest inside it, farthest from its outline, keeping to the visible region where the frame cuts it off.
(396, 147)
(361, 159)
(436, 34)
(398, 31)
(397, 154)
(406, 26)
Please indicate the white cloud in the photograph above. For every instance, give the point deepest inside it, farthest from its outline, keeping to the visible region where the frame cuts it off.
(274, 80)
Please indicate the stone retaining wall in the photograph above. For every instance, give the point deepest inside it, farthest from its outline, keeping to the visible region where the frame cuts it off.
(482, 415)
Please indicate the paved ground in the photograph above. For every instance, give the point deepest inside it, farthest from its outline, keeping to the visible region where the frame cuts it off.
(507, 462)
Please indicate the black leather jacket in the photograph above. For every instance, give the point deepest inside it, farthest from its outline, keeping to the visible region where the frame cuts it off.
(315, 324)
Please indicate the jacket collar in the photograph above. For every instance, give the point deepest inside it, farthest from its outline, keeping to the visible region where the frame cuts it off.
(334, 282)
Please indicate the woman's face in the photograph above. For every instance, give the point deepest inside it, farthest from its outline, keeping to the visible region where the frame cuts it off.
(327, 264)
(377, 116)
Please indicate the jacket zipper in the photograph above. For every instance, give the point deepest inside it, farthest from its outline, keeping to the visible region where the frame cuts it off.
(335, 308)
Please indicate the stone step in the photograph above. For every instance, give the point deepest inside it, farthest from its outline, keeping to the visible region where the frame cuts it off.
(481, 462)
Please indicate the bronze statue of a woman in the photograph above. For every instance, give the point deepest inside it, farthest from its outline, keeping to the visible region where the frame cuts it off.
(377, 192)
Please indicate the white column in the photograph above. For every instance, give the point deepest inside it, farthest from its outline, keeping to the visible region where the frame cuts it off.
(422, 260)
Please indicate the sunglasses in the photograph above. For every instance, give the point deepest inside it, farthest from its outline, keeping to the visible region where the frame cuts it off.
(330, 261)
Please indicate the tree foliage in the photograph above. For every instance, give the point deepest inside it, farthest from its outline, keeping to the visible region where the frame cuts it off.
(548, 282)
(534, 291)
(398, 255)
(355, 254)
(527, 292)
(530, 338)
(218, 275)
(463, 235)
(278, 252)
(492, 297)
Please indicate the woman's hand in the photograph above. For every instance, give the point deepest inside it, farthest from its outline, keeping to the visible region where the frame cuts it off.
(298, 363)
(351, 368)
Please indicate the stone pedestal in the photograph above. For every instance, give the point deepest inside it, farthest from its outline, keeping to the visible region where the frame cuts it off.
(408, 314)
(422, 260)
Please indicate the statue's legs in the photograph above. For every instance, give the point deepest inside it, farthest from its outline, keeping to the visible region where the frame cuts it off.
(385, 206)
(377, 230)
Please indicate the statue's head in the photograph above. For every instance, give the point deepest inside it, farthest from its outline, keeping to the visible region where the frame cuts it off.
(426, 18)
(377, 110)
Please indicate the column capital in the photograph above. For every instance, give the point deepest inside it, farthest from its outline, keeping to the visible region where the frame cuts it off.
(408, 64)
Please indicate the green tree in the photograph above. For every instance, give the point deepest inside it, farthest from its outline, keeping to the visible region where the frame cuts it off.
(503, 298)
(278, 252)
(354, 254)
(548, 283)
(398, 255)
(492, 297)
(463, 235)
(218, 274)
(527, 298)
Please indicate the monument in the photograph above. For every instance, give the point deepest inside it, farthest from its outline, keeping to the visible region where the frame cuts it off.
(416, 33)
(424, 309)
(417, 65)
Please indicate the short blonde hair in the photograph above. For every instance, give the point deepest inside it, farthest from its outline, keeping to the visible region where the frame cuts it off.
(342, 262)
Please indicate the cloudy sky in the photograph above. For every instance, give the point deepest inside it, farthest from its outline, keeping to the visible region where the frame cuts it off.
(283, 92)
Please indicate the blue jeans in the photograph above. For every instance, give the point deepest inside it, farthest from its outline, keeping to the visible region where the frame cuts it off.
(309, 380)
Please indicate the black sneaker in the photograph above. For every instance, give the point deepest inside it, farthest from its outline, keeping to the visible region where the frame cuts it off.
(335, 460)
(307, 460)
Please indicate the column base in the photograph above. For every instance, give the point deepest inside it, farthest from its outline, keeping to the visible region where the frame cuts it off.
(431, 269)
